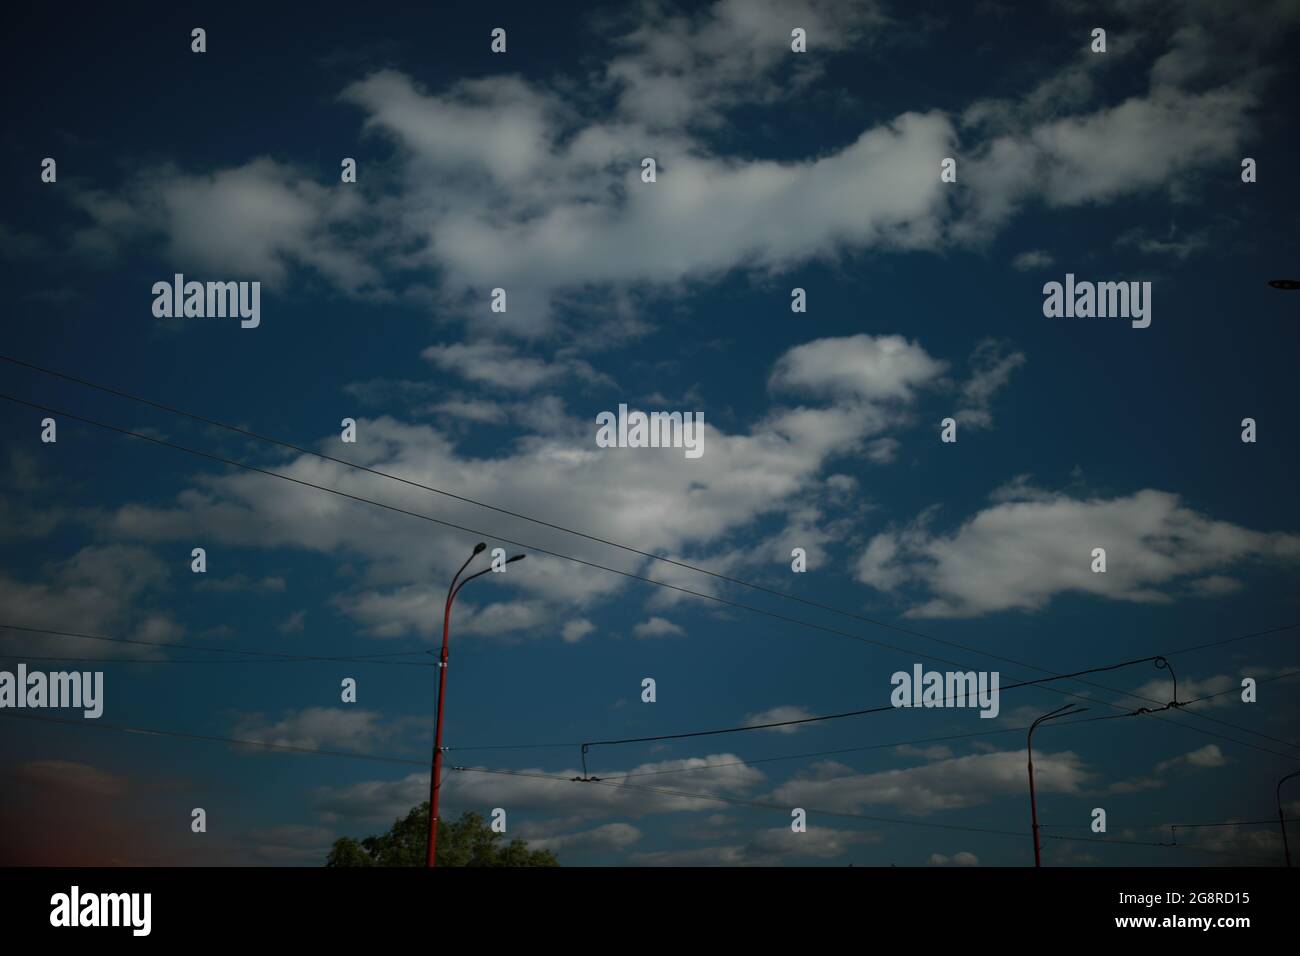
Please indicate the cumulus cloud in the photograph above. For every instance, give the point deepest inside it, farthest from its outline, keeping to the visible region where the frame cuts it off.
(1032, 545)
(609, 837)
(771, 847)
(657, 627)
(500, 366)
(251, 221)
(1207, 757)
(533, 184)
(545, 790)
(104, 590)
(991, 364)
(576, 630)
(775, 715)
(317, 728)
(941, 785)
(871, 368)
(963, 858)
(691, 509)
(1032, 259)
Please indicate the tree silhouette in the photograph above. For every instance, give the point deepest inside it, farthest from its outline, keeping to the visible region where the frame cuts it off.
(468, 841)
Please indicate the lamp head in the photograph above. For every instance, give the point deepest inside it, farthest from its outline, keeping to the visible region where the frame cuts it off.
(481, 546)
(517, 557)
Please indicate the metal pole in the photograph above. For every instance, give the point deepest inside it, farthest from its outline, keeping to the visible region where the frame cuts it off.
(1066, 711)
(1033, 803)
(1281, 818)
(435, 781)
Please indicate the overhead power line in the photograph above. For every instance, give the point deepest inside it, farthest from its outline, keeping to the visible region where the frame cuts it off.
(261, 656)
(663, 791)
(709, 597)
(785, 595)
(884, 708)
(813, 811)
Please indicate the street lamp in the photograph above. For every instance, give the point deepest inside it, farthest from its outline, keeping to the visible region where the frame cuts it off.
(1286, 847)
(435, 781)
(1066, 711)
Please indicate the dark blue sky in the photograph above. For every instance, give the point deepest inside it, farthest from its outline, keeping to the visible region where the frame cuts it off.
(776, 170)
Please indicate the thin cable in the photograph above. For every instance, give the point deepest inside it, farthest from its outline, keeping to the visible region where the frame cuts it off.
(852, 713)
(481, 504)
(98, 725)
(785, 808)
(557, 527)
(439, 521)
(519, 773)
(894, 743)
(1179, 826)
(211, 648)
(457, 527)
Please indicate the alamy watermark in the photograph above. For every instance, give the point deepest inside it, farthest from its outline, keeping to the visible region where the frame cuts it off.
(946, 689)
(654, 430)
(1102, 300)
(57, 689)
(178, 298)
(74, 908)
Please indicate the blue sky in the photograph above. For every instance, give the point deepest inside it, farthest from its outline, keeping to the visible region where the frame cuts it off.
(776, 170)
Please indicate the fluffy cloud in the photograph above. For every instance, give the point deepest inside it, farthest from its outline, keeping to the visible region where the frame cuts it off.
(317, 728)
(657, 498)
(1033, 545)
(772, 847)
(870, 368)
(992, 363)
(533, 185)
(657, 627)
(250, 221)
(545, 790)
(776, 715)
(576, 630)
(1208, 756)
(942, 785)
(104, 590)
(499, 366)
(963, 858)
(611, 836)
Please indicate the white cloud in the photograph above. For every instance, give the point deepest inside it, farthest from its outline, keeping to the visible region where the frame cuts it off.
(533, 184)
(317, 728)
(991, 363)
(105, 590)
(611, 836)
(576, 630)
(942, 785)
(963, 858)
(545, 790)
(1032, 259)
(771, 847)
(500, 366)
(1206, 757)
(1021, 552)
(870, 368)
(776, 715)
(658, 627)
(252, 221)
(1173, 244)
(935, 752)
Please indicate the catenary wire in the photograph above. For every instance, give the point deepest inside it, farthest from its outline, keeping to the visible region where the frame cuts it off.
(714, 598)
(211, 648)
(594, 538)
(558, 779)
